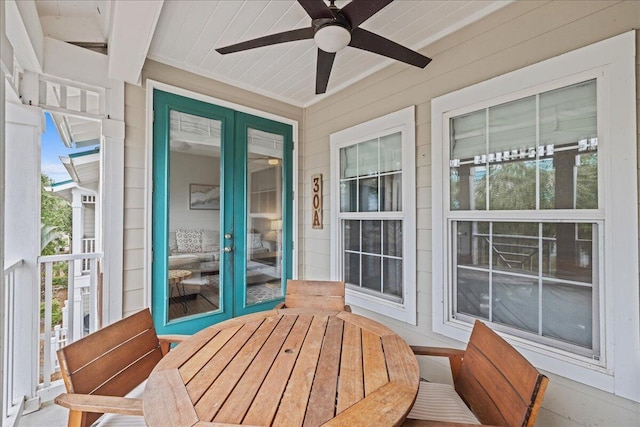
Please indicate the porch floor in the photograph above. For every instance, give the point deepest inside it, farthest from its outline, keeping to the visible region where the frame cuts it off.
(49, 415)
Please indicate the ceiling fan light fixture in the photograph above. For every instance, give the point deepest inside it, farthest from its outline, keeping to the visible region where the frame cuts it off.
(332, 38)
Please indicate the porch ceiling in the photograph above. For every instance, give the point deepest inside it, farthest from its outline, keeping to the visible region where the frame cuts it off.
(187, 32)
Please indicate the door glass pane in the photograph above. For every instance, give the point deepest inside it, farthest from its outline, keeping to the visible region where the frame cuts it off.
(264, 216)
(194, 215)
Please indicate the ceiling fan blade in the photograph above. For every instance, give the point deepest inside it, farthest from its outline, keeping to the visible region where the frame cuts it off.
(323, 70)
(287, 36)
(366, 40)
(316, 8)
(359, 11)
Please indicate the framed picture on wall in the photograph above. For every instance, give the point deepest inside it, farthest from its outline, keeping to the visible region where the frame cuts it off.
(204, 197)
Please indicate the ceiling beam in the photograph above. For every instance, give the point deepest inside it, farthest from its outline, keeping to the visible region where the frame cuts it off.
(74, 63)
(24, 32)
(133, 25)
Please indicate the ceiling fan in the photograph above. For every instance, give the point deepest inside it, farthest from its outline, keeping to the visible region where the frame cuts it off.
(334, 29)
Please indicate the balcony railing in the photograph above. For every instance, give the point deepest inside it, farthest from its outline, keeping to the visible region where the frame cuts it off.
(88, 247)
(79, 314)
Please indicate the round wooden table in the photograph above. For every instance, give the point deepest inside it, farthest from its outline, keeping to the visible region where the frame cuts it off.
(286, 367)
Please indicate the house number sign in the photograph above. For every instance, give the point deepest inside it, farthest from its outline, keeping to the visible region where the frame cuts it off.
(316, 200)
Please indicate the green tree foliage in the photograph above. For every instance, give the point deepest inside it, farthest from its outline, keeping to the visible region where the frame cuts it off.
(56, 312)
(55, 217)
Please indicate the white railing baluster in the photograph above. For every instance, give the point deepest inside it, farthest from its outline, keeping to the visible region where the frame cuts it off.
(71, 298)
(93, 296)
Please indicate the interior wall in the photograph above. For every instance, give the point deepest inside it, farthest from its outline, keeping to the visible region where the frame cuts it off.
(135, 282)
(522, 33)
(187, 169)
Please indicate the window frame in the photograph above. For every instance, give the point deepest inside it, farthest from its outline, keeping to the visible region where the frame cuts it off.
(612, 63)
(402, 121)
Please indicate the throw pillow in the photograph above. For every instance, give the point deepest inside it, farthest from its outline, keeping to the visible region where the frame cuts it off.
(210, 240)
(189, 241)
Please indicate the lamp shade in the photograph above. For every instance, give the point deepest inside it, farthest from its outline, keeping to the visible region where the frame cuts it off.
(332, 38)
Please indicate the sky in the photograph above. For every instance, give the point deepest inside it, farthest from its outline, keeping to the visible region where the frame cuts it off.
(52, 149)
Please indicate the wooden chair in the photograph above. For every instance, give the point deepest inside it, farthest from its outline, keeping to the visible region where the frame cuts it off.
(101, 368)
(316, 294)
(491, 379)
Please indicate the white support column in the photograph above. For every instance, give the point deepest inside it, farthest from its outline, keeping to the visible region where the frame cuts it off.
(112, 196)
(77, 227)
(24, 126)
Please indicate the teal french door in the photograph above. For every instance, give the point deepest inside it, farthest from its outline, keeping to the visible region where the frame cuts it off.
(222, 213)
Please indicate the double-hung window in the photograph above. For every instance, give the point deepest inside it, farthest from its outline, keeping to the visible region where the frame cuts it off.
(524, 218)
(535, 207)
(374, 198)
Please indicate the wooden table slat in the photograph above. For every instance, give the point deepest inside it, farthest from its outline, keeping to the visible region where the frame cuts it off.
(243, 320)
(293, 405)
(320, 409)
(214, 398)
(265, 404)
(373, 363)
(351, 381)
(186, 349)
(400, 361)
(192, 366)
(166, 389)
(366, 324)
(387, 406)
(210, 372)
(240, 399)
(208, 424)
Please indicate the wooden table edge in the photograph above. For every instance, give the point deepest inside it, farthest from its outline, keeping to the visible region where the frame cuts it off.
(392, 392)
(162, 389)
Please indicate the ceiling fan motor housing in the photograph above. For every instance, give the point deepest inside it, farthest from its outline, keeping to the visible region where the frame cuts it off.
(332, 34)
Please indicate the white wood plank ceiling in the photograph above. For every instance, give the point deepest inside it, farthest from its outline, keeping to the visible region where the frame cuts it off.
(188, 32)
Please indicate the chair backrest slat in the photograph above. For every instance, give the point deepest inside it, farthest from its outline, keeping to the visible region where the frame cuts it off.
(316, 294)
(499, 385)
(90, 377)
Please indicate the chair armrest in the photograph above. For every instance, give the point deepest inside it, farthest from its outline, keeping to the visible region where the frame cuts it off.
(100, 404)
(455, 356)
(167, 340)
